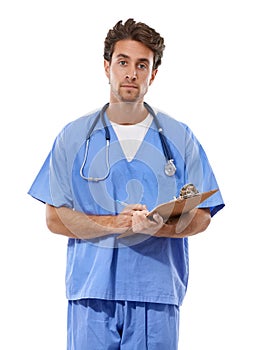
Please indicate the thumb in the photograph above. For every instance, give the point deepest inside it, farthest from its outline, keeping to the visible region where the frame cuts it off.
(157, 218)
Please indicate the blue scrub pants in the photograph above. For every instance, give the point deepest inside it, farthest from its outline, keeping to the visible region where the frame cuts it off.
(95, 324)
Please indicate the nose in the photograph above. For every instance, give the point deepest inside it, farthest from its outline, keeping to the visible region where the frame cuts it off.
(131, 75)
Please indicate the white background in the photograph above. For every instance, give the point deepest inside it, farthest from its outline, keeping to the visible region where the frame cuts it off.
(51, 73)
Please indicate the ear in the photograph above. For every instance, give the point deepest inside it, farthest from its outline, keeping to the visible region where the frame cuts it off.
(153, 75)
(107, 68)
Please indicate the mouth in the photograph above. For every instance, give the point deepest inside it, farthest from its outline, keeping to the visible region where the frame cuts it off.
(129, 86)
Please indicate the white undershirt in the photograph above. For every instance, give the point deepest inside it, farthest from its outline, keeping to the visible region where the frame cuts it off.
(131, 136)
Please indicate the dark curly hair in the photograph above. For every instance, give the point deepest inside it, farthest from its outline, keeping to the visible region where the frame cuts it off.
(135, 31)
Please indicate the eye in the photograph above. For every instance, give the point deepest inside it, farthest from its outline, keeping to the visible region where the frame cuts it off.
(122, 63)
(142, 66)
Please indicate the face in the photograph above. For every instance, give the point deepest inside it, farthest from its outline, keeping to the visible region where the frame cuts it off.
(130, 71)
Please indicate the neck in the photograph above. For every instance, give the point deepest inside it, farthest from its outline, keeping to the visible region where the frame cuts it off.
(127, 113)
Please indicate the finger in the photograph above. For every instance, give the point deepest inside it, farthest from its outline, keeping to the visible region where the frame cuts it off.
(137, 207)
(131, 208)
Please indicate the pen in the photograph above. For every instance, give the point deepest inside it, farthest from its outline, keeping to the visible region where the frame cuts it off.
(122, 203)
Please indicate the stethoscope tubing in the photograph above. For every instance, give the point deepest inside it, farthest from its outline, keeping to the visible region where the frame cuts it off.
(165, 146)
(101, 115)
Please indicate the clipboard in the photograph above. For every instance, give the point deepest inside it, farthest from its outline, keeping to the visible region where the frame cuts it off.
(179, 206)
(176, 207)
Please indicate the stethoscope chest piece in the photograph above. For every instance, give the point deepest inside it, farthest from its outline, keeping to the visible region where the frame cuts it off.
(170, 168)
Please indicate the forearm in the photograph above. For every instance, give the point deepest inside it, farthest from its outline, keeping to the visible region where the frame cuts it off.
(75, 224)
(189, 224)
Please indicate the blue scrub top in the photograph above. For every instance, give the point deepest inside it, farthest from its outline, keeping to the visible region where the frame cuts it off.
(140, 267)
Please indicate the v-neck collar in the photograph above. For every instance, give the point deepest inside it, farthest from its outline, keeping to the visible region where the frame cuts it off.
(114, 136)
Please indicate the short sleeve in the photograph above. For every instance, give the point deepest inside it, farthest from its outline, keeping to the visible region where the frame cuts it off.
(52, 184)
(200, 173)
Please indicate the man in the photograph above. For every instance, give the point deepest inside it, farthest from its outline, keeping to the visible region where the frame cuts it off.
(100, 180)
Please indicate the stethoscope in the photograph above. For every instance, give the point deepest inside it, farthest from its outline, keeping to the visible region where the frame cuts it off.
(169, 167)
